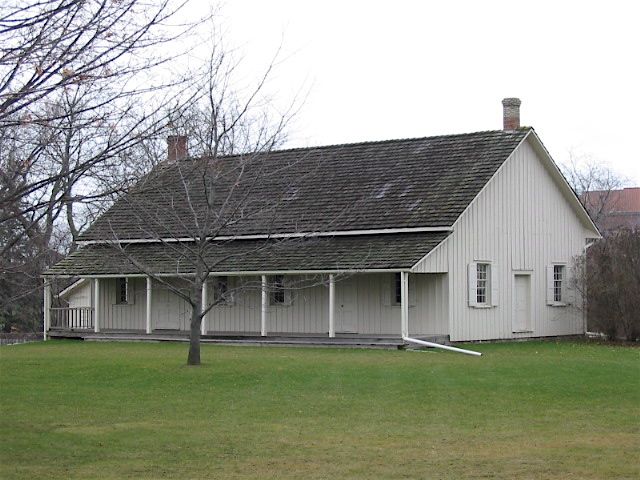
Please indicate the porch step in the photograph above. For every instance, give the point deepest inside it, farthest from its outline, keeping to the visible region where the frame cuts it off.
(291, 341)
(311, 342)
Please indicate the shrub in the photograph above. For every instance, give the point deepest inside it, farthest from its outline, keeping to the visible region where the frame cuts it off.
(611, 282)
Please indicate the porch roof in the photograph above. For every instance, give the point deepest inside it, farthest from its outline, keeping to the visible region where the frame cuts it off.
(369, 252)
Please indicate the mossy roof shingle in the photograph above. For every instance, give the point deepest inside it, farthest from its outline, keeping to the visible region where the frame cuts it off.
(391, 251)
(391, 184)
(422, 182)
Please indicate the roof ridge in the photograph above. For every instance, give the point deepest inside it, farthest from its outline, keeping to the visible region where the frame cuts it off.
(373, 142)
(392, 140)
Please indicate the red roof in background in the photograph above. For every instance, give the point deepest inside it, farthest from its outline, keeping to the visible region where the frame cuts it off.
(618, 201)
(614, 209)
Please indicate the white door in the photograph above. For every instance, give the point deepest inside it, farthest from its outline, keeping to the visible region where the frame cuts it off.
(521, 321)
(346, 306)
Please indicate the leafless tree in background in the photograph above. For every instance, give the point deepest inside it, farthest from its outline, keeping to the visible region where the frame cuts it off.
(77, 82)
(83, 84)
(586, 175)
(608, 277)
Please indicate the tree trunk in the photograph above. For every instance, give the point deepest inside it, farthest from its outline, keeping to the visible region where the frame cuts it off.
(194, 339)
(196, 320)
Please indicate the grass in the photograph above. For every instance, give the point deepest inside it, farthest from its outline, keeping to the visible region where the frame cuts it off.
(116, 410)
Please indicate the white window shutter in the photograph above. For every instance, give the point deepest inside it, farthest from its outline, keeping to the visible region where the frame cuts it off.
(493, 271)
(550, 285)
(473, 284)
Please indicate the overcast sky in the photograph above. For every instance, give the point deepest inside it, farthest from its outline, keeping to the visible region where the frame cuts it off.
(396, 69)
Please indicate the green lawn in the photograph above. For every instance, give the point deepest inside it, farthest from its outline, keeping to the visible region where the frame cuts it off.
(118, 410)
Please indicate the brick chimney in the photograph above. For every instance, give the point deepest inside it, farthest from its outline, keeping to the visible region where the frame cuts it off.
(177, 148)
(511, 113)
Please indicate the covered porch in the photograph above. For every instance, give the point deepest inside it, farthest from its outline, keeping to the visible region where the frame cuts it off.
(342, 305)
(304, 286)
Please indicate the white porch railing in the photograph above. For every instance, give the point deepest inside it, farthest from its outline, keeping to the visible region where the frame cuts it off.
(71, 317)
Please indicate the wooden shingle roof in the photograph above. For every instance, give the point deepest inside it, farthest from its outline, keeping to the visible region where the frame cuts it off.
(422, 182)
(417, 183)
(367, 252)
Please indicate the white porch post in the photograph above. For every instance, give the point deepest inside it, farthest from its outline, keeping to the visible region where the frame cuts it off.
(205, 301)
(96, 305)
(265, 307)
(404, 304)
(149, 285)
(332, 306)
(46, 308)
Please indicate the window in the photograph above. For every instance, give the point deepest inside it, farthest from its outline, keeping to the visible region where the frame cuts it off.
(122, 291)
(557, 285)
(558, 277)
(277, 296)
(221, 294)
(397, 289)
(482, 283)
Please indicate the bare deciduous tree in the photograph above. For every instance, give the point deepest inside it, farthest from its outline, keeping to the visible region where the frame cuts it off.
(79, 81)
(75, 84)
(214, 190)
(594, 183)
(608, 278)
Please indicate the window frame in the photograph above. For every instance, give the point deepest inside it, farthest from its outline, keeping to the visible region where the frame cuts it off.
(120, 281)
(222, 296)
(490, 282)
(397, 289)
(557, 286)
(486, 287)
(553, 287)
(277, 290)
(558, 283)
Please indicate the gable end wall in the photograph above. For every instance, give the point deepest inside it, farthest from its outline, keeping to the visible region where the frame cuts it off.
(521, 222)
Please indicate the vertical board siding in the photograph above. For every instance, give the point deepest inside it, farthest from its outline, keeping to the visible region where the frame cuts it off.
(123, 317)
(521, 222)
(436, 262)
(81, 295)
(430, 316)
(366, 299)
(168, 310)
(306, 312)
(374, 313)
(242, 315)
(363, 297)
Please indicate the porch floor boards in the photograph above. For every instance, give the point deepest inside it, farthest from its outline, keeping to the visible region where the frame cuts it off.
(310, 340)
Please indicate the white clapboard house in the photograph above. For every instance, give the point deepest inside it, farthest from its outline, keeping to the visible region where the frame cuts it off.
(460, 237)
